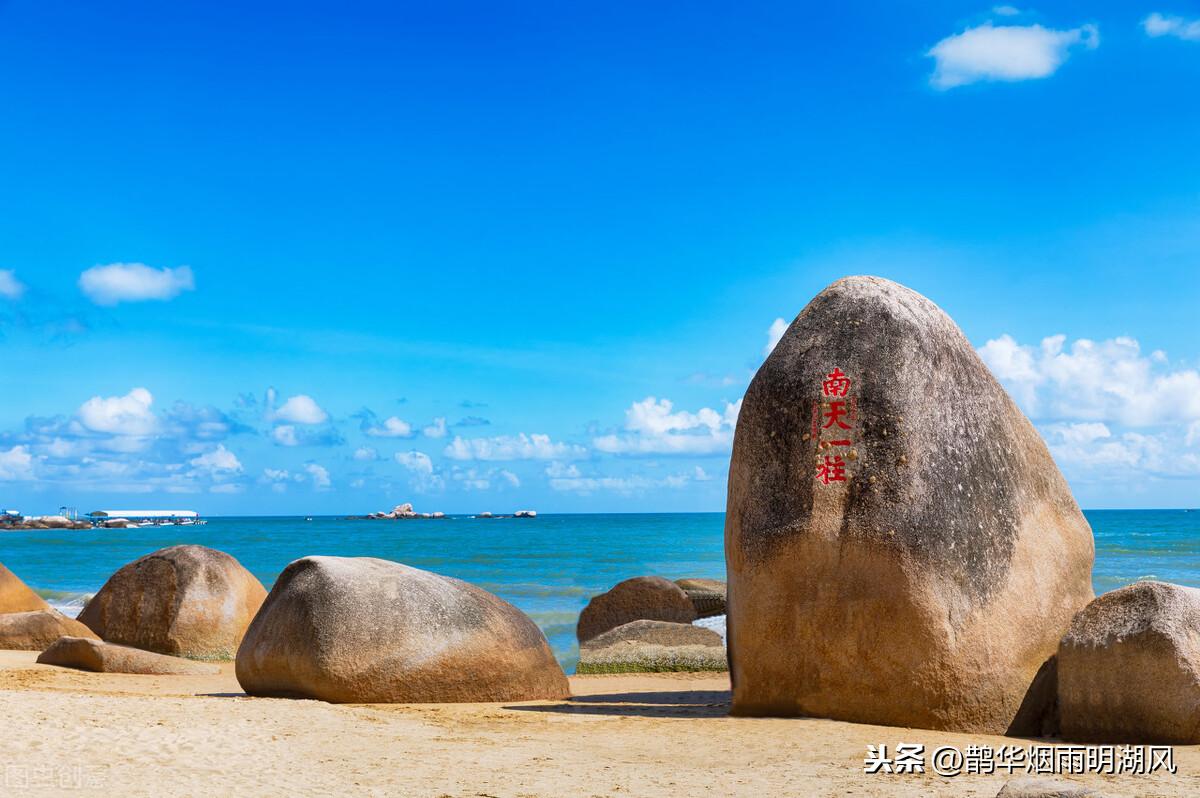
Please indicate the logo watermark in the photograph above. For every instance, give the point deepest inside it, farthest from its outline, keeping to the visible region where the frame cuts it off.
(984, 760)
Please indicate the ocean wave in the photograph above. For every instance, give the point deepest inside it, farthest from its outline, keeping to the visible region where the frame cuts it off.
(66, 602)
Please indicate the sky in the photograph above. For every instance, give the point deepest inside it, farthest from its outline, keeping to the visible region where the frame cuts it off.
(299, 259)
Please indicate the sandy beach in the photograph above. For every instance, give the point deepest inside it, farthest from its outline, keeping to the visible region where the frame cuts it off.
(76, 733)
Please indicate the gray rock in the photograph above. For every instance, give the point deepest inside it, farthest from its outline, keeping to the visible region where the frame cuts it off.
(707, 595)
(1129, 667)
(918, 574)
(649, 658)
(1036, 787)
(659, 633)
(363, 630)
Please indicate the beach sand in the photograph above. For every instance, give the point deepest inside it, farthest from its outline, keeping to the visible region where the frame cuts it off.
(73, 733)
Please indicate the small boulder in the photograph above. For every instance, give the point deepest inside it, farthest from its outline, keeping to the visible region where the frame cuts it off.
(185, 601)
(15, 595)
(650, 598)
(707, 595)
(1036, 787)
(95, 655)
(363, 630)
(651, 659)
(34, 631)
(1129, 667)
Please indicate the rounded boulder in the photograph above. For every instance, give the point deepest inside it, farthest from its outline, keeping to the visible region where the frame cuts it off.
(34, 631)
(364, 630)
(15, 595)
(901, 548)
(184, 601)
(650, 598)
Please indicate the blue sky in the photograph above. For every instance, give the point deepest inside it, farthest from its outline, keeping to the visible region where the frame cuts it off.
(249, 257)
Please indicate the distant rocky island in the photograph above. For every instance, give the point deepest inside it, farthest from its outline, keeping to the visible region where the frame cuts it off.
(405, 511)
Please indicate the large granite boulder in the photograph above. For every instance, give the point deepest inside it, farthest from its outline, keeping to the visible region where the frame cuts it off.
(651, 647)
(707, 595)
(15, 595)
(33, 631)
(95, 655)
(363, 630)
(1129, 667)
(901, 548)
(650, 598)
(185, 601)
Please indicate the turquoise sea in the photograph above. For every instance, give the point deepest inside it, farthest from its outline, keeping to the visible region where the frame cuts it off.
(548, 566)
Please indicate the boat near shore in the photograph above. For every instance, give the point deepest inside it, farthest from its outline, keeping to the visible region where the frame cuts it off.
(128, 519)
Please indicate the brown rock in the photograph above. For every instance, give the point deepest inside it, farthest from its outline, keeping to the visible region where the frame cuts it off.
(15, 595)
(1129, 668)
(707, 595)
(1036, 787)
(650, 658)
(185, 601)
(641, 598)
(928, 574)
(659, 633)
(95, 655)
(33, 631)
(362, 630)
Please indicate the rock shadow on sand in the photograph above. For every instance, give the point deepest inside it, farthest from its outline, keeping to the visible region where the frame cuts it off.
(665, 704)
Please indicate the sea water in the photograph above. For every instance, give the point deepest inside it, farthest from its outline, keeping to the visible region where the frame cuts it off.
(548, 566)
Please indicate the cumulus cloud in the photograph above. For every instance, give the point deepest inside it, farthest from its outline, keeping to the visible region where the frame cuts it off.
(774, 335)
(366, 453)
(16, 464)
(437, 429)
(318, 475)
(415, 461)
(285, 435)
(301, 409)
(120, 415)
(134, 282)
(1157, 25)
(1005, 53)
(512, 447)
(653, 426)
(1006, 11)
(475, 479)
(392, 427)
(218, 461)
(1106, 409)
(10, 286)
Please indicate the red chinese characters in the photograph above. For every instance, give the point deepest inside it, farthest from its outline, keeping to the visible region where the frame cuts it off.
(837, 417)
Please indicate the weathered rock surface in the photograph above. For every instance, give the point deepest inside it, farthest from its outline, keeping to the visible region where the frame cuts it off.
(707, 595)
(650, 598)
(1129, 668)
(363, 630)
(15, 595)
(96, 655)
(33, 631)
(922, 573)
(659, 633)
(185, 601)
(649, 658)
(1036, 787)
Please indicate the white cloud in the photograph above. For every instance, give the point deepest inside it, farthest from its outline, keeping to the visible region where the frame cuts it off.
(134, 282)
(301, 409)
(1006, 11)
(653, 427)
(16, 464)
(774, 334)
(366, 453)
(120, 415)
(10, 286)
(318, 475)
(219, 460)
(1005, 53)
(701, 475)
(392, 427)
(512, 447)
(415, 461)
(1157, 25)
(512, 479)
(285, 435)
(435, 430)
(477, 479)
(568, 479)
(1094, 381)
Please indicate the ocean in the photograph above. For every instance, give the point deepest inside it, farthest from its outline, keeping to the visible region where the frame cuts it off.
(548, 566)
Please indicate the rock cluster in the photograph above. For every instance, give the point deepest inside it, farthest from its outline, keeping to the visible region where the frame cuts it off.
(42, 522)
(650, 598)
(653, 646)
(403, 511)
